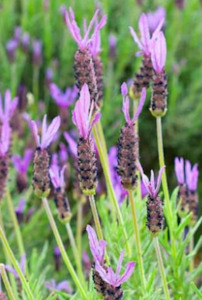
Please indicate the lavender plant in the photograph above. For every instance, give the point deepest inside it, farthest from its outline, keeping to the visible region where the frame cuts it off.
(144, 244)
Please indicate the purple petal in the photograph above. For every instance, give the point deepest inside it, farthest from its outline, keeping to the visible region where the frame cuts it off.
(158, 52)
(49, 134)
(35, 132)
(96, 118)
(125, 109)
(23, 263)
(145, 35)
(118, 269)
(126, 275)
(85, 39)
(159, 180)
(72, 143)
(135, 38)
(64, 286)
(5, 137)
(179, 170)
(140, 106)
(12, 270)
(124, 89)
(97, 248)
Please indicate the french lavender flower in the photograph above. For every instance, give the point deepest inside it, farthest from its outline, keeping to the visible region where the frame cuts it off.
(19, 210)
(11, 48)
(41, 180)
(21, 165)
(144, 76)
(83, 61)
(112, 46)
(49, 76)
(22, 97)
(17, 34)
(8, 108)
(128, 146)
(158, 105)
(61, 201)
(61, 286)
(155, 217)
(82, 118)
(63, 100)
(37, 52)
(57, 258)
(25, 42)
(4, 155)
(183, 189)
(154, 18)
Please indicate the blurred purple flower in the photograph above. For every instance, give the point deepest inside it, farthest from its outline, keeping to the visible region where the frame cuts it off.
(114, 278)
(112, 46)
(179, 170)
(49, 76)
(57, 176)
(48, 132)
(63, 99)
(37, 52)
(97, 248)
(21, 265)
(72, 144)
(22, 164)
(192, 174)
(25, 40)
(154, 18)
(11, 47)
(7, 110)
(63, 153)
(5, 138)
(17, 34)
(19, 210)
(57, 258)
(61, 286)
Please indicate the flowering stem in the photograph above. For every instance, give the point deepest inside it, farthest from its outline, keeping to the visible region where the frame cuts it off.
(63, 251)
(75, 251)
(25, 283)
(104, 162)
(95, 217)
(15, 223)
(79, 228)
(137, 241)
(6, 282)
(191, 248)
(161, 267)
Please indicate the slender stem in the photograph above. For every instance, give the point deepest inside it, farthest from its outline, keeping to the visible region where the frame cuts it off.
(104, 162)
(75, 251)
(161, 267)
(12, 279)
(15, 223)
(95, 217)
(63, 251)
(79, 229)
(137, 241)
(191, 248)
(102, 137)
(25, 283)
(6, 282)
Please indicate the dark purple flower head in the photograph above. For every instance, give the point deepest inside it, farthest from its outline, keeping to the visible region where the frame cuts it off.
(37, 52)
(150, 186)
(48, 132)
(61, 286)
(57, 251)
(114, 278)
(154, 18)
(11, 47)
(144, 43)
(57, 176)
(82, 114)
(7, 110)
(21, 206)
(158, 52)
(75, 30)
(22, 164)
(25, 41)
(5, 138)
(63, 99)
(21, 265)
(192, 174)
(97, 248)
(126, 104)
(72, 144)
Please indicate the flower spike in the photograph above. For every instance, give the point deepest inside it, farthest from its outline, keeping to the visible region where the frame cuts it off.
(9, 106)
(97, 247)
(48, 133)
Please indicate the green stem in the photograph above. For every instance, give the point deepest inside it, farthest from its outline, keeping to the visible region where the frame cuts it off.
(63, 251)
(6, 282)
(161, 267)
(15, 223)
(25, 283)
(79, 229)
(137, 241)
(191, 248)
(75, 252)
(95, 217)
(104, 162)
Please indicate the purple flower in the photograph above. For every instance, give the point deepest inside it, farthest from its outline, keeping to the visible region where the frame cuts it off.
(48, 133)
(72, 144)
(25, 41)
(11, 47)
(82, 113)
(63, 153)
(158, 52)
(75, 31)
(62, 286)
(17, 33)
(21, 265)
(22, 164)
(119, 190)
(112, 45)
(21, 206)
(5, 138)
(37, 52)
(144, 42)
(49, 76)
(179, 170)
(57, 176)
(154, 18)
(126, 104)
(150, 185)
(192, 174)
(57, 251)
(97, 248)
(7, 110)
(63, 99)
(114, 278)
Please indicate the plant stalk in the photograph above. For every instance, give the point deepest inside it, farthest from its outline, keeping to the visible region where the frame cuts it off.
(161, 267)
(63, 251)
(191, 248)
(79, 229)
(25, 283)
(6, 282)
(95, 217)
(137, 241)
